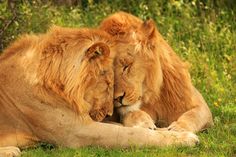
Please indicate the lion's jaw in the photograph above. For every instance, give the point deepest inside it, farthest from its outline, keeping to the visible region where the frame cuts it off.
(123, 110)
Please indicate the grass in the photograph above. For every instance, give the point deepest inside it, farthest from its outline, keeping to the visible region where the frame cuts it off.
(203, 35)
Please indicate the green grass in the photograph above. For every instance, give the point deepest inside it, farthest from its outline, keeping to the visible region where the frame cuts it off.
(203, 35)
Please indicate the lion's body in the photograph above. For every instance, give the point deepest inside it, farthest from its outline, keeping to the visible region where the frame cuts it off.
(51, 84)
(154, 74)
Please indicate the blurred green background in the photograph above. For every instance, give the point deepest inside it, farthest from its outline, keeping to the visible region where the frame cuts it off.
(202, 32)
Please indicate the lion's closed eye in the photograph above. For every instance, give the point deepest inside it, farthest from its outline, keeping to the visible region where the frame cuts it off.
(126, 63)
(125, 67)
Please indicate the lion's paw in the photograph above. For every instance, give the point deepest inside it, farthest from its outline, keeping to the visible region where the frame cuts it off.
(9, 151)
(188, 139)
(138, 119)
(175, 126)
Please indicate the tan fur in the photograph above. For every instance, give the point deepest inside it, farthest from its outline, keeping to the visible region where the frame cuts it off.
(138, 118)
(53, 85)
(148, 69)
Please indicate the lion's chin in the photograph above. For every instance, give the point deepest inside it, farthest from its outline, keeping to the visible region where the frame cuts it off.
(124, 109)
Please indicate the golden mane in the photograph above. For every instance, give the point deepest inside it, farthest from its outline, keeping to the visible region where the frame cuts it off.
(62, 75)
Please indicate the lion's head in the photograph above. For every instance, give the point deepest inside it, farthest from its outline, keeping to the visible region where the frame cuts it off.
(137, 66)
(77, 64)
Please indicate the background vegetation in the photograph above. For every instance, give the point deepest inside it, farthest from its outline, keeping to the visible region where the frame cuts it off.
(202, 32)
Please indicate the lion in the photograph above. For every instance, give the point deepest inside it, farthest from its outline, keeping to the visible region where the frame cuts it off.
(56, 87)
(150, 77)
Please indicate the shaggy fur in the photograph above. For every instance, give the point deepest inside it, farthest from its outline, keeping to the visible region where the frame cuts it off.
(51, 85)
(148, 69)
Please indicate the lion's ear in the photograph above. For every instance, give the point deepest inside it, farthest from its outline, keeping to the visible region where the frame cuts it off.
(97, 49)
(148, 28)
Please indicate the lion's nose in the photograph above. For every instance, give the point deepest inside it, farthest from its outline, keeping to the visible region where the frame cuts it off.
(120, 98)
(118, 101)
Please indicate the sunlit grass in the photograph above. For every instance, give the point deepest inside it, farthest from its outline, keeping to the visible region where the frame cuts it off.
(206, 39)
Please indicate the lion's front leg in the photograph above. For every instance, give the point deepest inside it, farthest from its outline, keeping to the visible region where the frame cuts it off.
(196, 119)
(109, 135)
(62, 126)
(9, 143)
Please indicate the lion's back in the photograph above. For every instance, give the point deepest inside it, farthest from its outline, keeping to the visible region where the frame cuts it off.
(23, 43)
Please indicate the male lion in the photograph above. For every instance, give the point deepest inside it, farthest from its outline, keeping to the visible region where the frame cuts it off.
(151, 77)
(53, 85)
